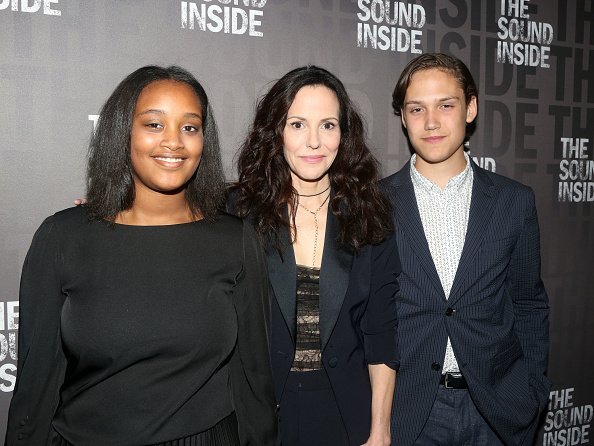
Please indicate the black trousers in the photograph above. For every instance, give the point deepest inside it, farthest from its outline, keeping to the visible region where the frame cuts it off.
(309, 415)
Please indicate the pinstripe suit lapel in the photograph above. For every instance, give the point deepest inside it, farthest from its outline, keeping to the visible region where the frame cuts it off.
(408, 220)
(481, 209)
(334, 279)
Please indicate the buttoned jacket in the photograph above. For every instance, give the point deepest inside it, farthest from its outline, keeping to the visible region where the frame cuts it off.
(496, 315)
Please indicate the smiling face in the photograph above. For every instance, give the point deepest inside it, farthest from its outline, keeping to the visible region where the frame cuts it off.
(166, 138)
(435, 114)
(312, 134)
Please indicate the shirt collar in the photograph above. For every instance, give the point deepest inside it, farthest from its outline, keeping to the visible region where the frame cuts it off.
(453, 183)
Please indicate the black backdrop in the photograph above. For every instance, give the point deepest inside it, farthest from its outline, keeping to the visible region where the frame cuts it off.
(532, 59)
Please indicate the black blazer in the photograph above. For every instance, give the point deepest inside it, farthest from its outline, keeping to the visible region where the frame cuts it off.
(357, 320)
(496, 315)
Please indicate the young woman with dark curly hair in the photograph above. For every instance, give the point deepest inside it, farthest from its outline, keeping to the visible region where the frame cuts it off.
(308, 183)
(144, 313)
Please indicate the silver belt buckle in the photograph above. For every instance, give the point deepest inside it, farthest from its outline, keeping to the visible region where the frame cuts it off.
(453, 375)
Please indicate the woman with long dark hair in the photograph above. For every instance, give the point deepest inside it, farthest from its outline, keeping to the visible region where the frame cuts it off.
(144, 312)
(308, 184)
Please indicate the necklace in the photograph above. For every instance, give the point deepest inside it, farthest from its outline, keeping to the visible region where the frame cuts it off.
(315, 216)
(314, 195)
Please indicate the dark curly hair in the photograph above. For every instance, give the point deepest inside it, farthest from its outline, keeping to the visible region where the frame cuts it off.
(264, 189)
(110, 181)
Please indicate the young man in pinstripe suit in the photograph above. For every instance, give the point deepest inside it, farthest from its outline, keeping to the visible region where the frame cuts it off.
(472, 309)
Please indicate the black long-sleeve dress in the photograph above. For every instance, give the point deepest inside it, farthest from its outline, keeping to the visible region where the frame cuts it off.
(138, 335)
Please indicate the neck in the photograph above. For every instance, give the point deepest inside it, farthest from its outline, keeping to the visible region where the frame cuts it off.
(312, 188)
(442, 172)
(151, 208)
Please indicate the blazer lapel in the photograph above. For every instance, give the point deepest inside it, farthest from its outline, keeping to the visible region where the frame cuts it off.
(283, 276)
(334, 279)
(481, 208)
(408, 220)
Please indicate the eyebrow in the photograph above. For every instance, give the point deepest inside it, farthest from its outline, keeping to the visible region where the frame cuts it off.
(162, 112)
(448, 98)
(305, 119)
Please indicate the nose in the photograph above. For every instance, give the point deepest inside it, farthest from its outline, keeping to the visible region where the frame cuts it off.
(313, 139)
(172, 139)
(432, 120)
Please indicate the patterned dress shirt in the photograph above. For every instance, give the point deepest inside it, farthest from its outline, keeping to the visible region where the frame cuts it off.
(444, 214)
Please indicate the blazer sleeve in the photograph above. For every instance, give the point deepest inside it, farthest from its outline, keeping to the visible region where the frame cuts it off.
(251, 374)
(41, 362)
(530, 300)
(379, 324)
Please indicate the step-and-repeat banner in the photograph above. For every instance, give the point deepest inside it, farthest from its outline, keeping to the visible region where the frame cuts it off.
(532, 59)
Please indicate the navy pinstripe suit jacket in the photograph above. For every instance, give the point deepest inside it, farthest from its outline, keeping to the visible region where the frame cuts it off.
(499, 326)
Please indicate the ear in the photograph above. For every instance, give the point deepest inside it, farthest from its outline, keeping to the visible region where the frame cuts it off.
(471, 110)
(402, 119)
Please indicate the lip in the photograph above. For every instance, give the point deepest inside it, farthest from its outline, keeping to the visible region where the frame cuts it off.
(312, 159)
(169, 160)
(433, 139)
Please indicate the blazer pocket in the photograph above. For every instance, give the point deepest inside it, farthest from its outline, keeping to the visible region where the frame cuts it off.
(497, 251)
(500, 238)
(503, 360)
(503, 241)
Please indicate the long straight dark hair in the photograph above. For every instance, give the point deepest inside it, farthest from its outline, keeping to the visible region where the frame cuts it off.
(110, 181)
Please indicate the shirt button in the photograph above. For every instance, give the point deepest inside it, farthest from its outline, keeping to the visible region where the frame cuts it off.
(436, 366)
(449, 311)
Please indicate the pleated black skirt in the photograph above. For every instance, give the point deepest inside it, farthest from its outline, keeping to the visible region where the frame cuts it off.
(224, 433)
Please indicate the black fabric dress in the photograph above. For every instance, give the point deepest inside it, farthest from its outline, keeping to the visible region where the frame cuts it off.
(140, 335)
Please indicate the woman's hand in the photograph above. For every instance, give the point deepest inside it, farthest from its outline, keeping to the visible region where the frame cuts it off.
(80, 201)
(378, 439)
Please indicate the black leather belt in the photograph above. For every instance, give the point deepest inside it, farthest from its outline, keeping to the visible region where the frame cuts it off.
(453, 381)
